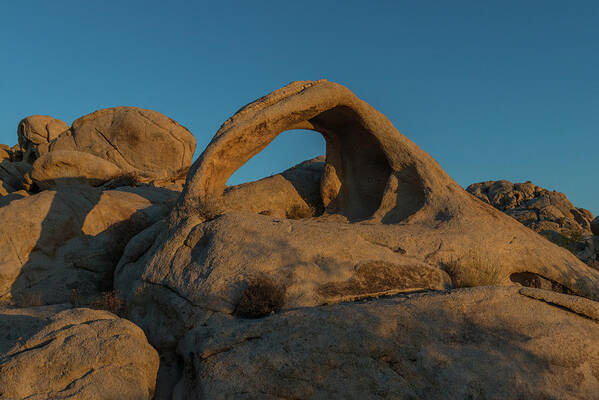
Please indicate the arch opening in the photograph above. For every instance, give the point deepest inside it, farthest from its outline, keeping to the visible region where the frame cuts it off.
(369, 173)
(350, 180)
(287, 150)
(357, 170)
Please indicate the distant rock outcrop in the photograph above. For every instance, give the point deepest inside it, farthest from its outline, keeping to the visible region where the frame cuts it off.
(538, 208)
(548, 212)
(53, 353)
(60, 167)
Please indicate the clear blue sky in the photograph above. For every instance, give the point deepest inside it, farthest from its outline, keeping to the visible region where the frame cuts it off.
(491, 89)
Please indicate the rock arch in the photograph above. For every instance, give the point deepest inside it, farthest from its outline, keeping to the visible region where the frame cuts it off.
(371, 171)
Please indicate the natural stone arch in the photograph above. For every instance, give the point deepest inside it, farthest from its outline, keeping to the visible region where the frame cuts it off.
(371, 171)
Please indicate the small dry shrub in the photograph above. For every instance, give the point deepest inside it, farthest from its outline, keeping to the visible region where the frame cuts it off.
(261, 297)
(297, 211)
(474, 268)
(111, 302)
(128, 179)
(30, 300)
(75, 298)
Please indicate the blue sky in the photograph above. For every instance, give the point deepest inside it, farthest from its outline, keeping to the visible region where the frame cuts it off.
(490, 89)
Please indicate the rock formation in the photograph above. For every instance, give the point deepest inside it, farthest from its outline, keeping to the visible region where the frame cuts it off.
(72, 167)
(133, 139)
(390, 221)
(481, 343)
(538, 208)
(595, 226)
(46, 353)
(59, 242)
(548, 212)
(69, 202)
(271, 289)
(37, 130)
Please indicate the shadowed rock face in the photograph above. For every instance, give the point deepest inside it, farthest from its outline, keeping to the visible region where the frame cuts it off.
(57, 242)
(378, 192)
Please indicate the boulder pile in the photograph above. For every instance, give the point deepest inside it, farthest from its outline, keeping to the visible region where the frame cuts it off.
(549, 213)
(127, 272)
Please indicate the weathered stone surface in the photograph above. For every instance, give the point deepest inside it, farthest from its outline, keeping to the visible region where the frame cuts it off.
(534, 206)
(58, 168)
(134, 139)
(14, 176)
(282, 195)
(383, 203)
(547, 212)
(312, 262)
(595, 226)
(52, 353)
(481, 343)
(36, 130)
(56, 242)
(5, 152)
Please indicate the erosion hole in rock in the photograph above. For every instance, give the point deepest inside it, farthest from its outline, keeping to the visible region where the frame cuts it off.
(356, 171)
(285, 151)
(530, 279)
(371, 172)
(290, 169)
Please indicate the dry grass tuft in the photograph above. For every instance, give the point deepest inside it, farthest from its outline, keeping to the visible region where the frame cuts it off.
(474, 268)
(75, 298)
(261, 297)
(568, 239)
(31, 300)
(297, 211)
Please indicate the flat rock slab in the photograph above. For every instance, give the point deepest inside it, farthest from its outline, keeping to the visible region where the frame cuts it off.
(481, 343)
(73, 354)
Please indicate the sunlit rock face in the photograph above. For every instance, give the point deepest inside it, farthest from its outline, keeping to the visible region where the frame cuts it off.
(480, 343)
(340, 277)
(35, 131)
(54, 352)
(382, 218)
(134, 139)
